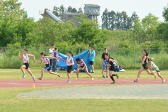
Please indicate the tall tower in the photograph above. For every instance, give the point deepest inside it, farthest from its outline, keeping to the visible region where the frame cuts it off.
(92, 11)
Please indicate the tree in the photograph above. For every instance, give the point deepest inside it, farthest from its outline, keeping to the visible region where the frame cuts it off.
(70, 9)
(105, 19)
(80, 10)
(165, 13)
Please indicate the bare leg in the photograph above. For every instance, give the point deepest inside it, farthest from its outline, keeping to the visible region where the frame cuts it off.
(158, 73)
(69, 77)
(77, 73)
(86, 70)
(53, 73)
(28, 70)
(92, 68)
(22, 69)
(103, 72)
(149, 72)
(139, 72)
(42, 73)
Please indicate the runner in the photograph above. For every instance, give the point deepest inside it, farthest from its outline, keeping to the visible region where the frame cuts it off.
(145, 67)
(25, 58)
(111, 67)
(70, 63)
(155, 68)
(46, 61)
(81, 66)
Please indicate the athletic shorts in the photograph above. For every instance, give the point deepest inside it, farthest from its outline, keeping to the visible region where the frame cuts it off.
(69, 68)
(91, 62)
(145, 66)
(103, 66)
(156, 69)
(48, 68)
(112, 68)
(27, 65)
(81, 66)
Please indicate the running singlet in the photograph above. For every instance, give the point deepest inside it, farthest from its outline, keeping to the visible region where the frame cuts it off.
(80, 63)
(46, 60)
(111, 63)
(146, 60)
(69, 60)
(153, 65)
(25, 58)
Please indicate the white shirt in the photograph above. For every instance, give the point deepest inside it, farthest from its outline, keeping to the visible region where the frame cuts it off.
(51, 50)
(25, 58)
(69, 60)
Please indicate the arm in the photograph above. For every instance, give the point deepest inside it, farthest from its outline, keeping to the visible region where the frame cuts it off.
(20, 57)
(50, 57)
(142, 60)
(30, 55)
(40, 61)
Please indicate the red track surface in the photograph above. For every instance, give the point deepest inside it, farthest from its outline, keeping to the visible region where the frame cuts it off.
(27, 83)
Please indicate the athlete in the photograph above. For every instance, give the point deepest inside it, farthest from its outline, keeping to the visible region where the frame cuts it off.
(155, 69)
(46, 61)
(25, 58)
(70, 62)
(111, 67)
(145, 67)
(81, 66)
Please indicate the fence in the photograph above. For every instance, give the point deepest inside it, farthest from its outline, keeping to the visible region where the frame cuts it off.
(128, 58)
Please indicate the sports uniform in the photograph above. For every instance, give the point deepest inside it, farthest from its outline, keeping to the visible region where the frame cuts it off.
(26, 60)
(69, 66)
(46, 61)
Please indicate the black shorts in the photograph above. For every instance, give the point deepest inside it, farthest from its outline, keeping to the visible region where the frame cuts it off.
(145, 66)
(112, 68)
(81, 66)
(69, 68)
(27, 65)
(91, 62)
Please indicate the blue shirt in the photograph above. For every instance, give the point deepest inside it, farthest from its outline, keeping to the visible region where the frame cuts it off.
(92, 56)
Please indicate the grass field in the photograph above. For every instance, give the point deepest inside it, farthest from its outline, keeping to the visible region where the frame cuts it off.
(10, 103)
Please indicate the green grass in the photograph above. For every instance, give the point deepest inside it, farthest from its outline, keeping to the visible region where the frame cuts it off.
(128, 74)
(10, 103)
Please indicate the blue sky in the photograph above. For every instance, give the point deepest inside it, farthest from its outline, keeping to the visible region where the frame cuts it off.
(141, 7)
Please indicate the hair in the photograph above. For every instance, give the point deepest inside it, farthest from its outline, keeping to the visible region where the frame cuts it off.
(78, 59)
(70, 53)
(105, 48)
(108, 55)
(93, 48)
(52, 44)
(146, 52)
(26, 50)
(55, 49)
(42, 54)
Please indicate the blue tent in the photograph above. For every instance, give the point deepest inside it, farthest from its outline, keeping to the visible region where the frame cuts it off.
(84, 56)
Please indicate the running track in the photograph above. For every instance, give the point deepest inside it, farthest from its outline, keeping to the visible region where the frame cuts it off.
(27, 83)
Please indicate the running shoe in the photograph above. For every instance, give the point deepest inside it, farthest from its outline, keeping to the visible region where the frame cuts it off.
(92, 78)
(23, 76)
(103, 76)
(68, 81)
(91, 72)
(106, 76)
(39, 78)
(163, 81)
(113, 82)
(34, 79)
(136, 80)
(117, 76)
(77, 78)
(59, 76)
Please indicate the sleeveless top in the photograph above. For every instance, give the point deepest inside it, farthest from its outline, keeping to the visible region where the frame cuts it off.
(80, 63)
(146, 60)
(69, 60)
(154, 65)
(110, 62)
(46, 61)
(25, 58)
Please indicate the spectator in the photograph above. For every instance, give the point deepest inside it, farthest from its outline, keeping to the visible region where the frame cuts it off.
(91, 58)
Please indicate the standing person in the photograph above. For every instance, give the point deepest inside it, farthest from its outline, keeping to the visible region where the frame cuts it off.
(111, 67)
(145, 67)
(91, 58)
(46, 61)
(104, 63)
(51, 52)
(25, 58)
(70, 63)
(82, 66)
(55, 61)
(155, 68)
